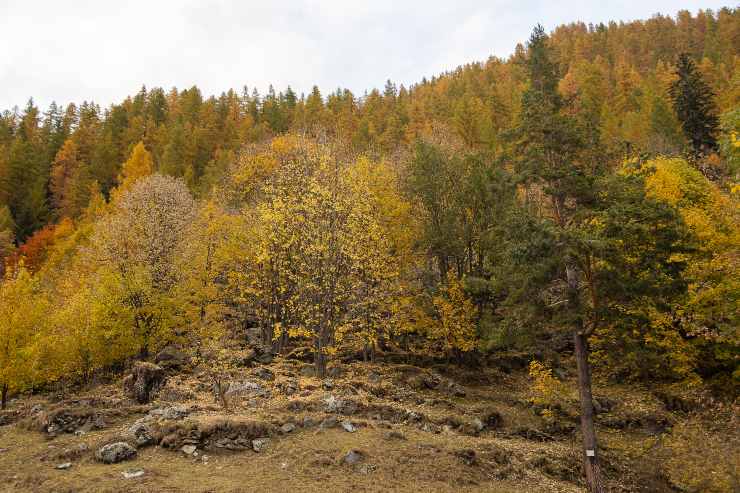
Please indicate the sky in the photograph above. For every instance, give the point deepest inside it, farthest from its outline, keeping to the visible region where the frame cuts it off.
(102, 50)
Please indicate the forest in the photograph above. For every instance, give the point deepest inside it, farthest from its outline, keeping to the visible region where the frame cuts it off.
(578, 198)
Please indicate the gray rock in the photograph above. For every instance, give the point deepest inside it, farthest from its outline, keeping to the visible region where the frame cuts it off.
(171, 356)
(329, 422)
(347, 407)
(115, 452)
(478, 425)
(142, 433)
(348, 427)
(245, 388)
(188, 449)
(287, 428)
(132, 473)
(260, 444)
(174, 412)
(264, 373)
(64, 466)
(308, 422)
(353, 457)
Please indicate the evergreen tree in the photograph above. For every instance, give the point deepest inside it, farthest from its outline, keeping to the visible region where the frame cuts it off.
(693, 101)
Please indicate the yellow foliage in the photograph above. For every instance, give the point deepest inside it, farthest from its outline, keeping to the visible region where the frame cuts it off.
(456, 314)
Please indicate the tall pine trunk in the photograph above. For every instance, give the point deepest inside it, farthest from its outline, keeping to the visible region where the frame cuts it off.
(590, 451)
(580, 339)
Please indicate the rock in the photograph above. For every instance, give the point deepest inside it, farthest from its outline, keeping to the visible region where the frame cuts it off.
(143, 381)
(308, 422)
(245, 388)
(308, 371)
(348, 427)
(173, 412)
(374, 377)
(115, 452)
(327, 384)
(287, 428)
(132, 473)
(171, 357)
(454, 389)
(188, 449)
(353, 457)
(264, 373)
(347, 407)
(142, 433)
(290, 387)
(329, 422)
(260, 444)
(64, 466)
(478, 425)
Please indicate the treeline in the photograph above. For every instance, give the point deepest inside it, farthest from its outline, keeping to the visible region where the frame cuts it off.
(619, 74)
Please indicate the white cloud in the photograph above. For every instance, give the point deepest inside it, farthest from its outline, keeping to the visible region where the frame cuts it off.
(105, 50)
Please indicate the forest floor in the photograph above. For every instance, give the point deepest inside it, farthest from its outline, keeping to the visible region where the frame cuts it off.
(425, 429)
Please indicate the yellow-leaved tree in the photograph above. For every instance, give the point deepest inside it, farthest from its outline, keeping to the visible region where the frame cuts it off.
(23, 311)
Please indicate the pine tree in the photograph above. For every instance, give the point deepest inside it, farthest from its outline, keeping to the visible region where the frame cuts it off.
(693, 101)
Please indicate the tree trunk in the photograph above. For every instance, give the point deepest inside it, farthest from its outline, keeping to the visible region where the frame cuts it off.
(590, 451)
(320, 358)
(4, 396)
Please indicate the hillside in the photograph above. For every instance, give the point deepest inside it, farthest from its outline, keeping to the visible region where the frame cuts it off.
(523, 274)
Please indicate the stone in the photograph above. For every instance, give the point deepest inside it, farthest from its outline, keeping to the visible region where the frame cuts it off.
(142, 433)
(264, 373)
(308, 422)
(290, 387)
(115, 452)
(188, 449)
(374, 377)
(287, 428)
(353, 457)
(173, 412)
(143, 381)
(342, 406)
(329, 422)
(132, 473)
(260, 444)
(478, 425)
(348, 427)
(171, 357)
(245, 388)
(64, 466)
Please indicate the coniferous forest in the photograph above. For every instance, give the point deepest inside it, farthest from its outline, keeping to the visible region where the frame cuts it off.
(534, 261)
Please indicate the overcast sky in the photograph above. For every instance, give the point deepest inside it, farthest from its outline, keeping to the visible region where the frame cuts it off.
(76, 50)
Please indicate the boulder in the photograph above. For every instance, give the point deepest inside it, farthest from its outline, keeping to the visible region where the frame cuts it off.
(353, 457)
(260, 444)
(143, 381)
(171, 357)
(115, 452)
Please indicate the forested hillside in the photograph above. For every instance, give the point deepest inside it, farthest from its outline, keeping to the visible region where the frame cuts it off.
(579, 198)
